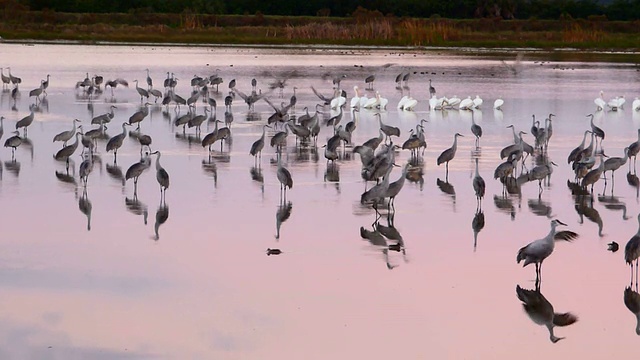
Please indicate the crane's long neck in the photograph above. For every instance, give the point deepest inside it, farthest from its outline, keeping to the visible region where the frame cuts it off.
(455, 143)
(515, 136)
(638, 323)
(638, 136)
(158, 166)
(477, 173)
(584, 138)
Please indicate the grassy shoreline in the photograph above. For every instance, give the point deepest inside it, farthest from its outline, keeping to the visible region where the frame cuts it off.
(193, 29)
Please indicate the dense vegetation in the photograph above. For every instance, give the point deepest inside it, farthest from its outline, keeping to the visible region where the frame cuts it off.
(577, 24)
(452, 9)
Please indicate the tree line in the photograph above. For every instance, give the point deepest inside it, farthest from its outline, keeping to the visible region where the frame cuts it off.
(454, 9)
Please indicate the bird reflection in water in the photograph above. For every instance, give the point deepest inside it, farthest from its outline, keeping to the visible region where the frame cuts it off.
(632, 302)
(415, 174)
(447, 188)
(115, 172)
(162, 214)
(633, 180)
(12, 166)
(541, 312)
(477, 224)
(28, 144)
(540, 208)
(376, 239)
(211, 168)
(332, 174)
(282, 214)
(395, 241)
(190, 139)
(137, 207)
(504, 203)
(584, 208)
(84, 204)
(256, 175)
(613, 203)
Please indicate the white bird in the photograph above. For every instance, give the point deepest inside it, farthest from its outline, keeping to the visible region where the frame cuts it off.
(454, 101)
(599, 101)
(636, 104)
(477, 102)
(355, 100)
(338, 101)
(498, 104)
(538, 250)
(466, 104)
(373, 102)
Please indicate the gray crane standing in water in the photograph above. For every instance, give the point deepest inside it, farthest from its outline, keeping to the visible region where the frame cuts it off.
(538, 250)
(599, 133)
(141, 91)
(66, 135)
(284, 177)
(25, 122)
(449, 154)
(13, 142)
(134, 171)
(632, 251)
(476, 130)
(66, 152)
(258, 145)
(162, 176)
(116, 142)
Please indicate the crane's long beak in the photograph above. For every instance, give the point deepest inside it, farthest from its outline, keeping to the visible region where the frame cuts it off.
(560, 222)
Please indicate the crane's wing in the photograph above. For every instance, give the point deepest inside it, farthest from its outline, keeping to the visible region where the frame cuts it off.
(240, 93)
(271, 104)
(322, 97)
(565, 235)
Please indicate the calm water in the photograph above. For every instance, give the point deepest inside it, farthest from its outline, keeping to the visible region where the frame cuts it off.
(101, 284)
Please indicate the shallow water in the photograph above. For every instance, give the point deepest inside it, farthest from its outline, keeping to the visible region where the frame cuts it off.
(105, 286)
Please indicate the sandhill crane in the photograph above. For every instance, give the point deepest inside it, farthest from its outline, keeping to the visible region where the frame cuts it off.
(476, 130)
(149, 80)
(66, 135)
(258, 145)
(66, 152)
(5, 79)
(614, 163)
(634, 148)
(25, 122)
(284, 177)
(14, 80)
(369, 81)
(632, 250)
(116, 142)
(134, 171)
(142, 92)
(161, 175)
(537, 251)
(574, 153)
(449, 153)
(599, 133)
(104, 118)
(139, 115)
(432, 90)
(13, 142)
(387, 129)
